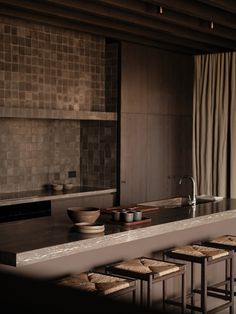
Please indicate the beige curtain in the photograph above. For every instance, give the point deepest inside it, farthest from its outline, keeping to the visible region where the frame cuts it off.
(214, 124)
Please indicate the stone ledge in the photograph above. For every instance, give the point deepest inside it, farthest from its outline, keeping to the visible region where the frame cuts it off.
(28, 113)
(38, 196)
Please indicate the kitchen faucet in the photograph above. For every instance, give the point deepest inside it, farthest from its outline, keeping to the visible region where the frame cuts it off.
(192, 199)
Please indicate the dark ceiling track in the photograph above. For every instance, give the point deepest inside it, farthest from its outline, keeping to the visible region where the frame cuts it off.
(78, 26)
(197, 8)
(151, 11)
(183, 26)
(227, 5)
(158, 25)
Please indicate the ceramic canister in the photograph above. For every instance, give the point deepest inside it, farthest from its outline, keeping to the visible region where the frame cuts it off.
(116, 215)
(137, 215)
(129, 216)
(122, 214)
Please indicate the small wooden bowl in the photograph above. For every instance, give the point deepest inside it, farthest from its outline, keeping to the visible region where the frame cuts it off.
(83, 214)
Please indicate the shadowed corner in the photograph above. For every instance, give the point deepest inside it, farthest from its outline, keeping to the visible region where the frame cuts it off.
(27, 295)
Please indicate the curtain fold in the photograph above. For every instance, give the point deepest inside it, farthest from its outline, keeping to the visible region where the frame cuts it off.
(233, 128)
(214, 124)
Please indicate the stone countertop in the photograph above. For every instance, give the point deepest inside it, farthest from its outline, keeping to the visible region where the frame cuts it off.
(36, 240)
(45, 195)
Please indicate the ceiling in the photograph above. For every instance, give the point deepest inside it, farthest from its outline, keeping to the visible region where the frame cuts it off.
(184, 26)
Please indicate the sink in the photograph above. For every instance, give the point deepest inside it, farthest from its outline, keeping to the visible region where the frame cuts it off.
(176, 201)
(181, 201)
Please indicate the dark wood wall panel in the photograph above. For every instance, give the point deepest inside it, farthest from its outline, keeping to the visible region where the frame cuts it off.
(156, 123)
(134, 79)
(133, 126)
(158, 156)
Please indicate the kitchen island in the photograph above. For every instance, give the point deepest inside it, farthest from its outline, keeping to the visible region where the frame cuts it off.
(49, 246)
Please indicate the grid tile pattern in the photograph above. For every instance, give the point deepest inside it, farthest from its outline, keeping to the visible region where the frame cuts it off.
(111, 82)
(48, 69)
(34, 153)
(98, 153)
(45, 67)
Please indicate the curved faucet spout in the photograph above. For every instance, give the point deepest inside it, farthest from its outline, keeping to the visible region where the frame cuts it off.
(192, 199)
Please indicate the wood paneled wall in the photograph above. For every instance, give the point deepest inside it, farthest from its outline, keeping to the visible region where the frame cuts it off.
(156, 123)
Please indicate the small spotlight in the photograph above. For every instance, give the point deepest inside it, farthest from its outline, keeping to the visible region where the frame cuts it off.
(161, 10)
(212, 25)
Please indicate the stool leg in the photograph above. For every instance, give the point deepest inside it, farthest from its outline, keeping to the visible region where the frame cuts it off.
(141, 292)
(183, 293)
(227, 278)
(232, 285)
(149, 291)
(204, 287)
(164, 287)
(134, 295)
(164, 295)
(192, 286)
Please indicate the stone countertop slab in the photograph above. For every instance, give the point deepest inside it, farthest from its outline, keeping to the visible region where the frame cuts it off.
(36, 240)
(45, 195)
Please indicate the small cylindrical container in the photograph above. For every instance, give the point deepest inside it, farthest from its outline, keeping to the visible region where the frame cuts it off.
(116, 215)
(138, 215)
(122, 214)
(129, 216)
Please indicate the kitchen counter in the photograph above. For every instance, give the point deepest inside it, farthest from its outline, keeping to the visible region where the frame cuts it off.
(37, 240)
(45, 195)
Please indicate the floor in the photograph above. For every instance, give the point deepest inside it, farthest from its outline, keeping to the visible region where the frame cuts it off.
(212, 303)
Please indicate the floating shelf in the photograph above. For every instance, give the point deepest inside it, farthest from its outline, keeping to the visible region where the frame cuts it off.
(28, 113)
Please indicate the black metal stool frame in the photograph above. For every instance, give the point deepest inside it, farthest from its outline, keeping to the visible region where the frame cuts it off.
(150, 279)
(227, 275)
(205, 290)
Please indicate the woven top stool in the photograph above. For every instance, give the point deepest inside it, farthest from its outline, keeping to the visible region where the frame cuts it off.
(206, 256)
(100, 284)
(151, 270)
(226, 242)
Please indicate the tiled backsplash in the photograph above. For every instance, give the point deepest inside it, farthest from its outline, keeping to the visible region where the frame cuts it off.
(111, 82)
(36, 152)
(98, 153)
(48, 67)
(43, 67)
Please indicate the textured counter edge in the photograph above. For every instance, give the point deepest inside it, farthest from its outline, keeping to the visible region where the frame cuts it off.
(32, 113)
(45, 254)
(32, 199)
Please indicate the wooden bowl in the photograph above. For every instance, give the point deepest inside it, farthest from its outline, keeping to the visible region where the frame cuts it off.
(83, 214)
